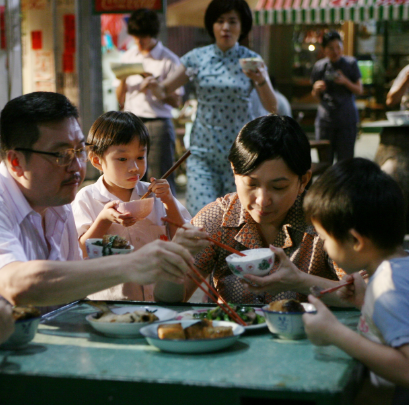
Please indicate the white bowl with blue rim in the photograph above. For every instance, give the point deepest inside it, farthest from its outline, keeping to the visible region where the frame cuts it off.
(287, 325)
(24, 332)
(257, 262)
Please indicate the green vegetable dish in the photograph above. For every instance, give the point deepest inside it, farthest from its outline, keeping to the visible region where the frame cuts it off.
(248, 314)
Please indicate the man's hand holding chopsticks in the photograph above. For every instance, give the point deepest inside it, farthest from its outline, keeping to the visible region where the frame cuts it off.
(192, 238)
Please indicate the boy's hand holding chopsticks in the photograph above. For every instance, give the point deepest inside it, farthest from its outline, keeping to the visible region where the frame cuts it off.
(192, 238)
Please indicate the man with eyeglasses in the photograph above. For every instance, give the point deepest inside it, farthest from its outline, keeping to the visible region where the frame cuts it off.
(43, 163)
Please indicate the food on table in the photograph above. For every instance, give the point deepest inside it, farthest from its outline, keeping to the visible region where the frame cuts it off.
(112, 242)
(129, 317)
(248, 314)
(26, 312)
(171, 331)
(286, 306)
(203, 329)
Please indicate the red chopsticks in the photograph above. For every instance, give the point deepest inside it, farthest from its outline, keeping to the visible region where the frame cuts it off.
(222, 245)
(225, 307)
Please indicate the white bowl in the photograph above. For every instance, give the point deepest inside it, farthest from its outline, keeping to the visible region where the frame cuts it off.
(24, 332)
(251, 63)
(139, 209)
(94, 251)
(398, 117)
(287, 325)
(249, 264)
(129, 330)
(195, 345)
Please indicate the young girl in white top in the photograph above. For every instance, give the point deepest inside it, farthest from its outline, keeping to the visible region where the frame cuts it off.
(119, 147)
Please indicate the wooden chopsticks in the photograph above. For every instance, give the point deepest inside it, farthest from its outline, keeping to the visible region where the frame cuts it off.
(171, 170)
(225, 307)
(216, 242)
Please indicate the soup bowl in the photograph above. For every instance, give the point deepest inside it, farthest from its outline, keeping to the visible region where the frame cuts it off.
(139, 209)
(257, 262)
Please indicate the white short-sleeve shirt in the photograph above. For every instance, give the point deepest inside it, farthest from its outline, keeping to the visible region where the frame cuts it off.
(87, 205)
(160, 62)
(22, 237)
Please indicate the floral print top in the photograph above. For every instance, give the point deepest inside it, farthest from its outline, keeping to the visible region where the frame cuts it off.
(228, 222)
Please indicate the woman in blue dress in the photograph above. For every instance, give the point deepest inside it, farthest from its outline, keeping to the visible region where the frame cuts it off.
(223, 91)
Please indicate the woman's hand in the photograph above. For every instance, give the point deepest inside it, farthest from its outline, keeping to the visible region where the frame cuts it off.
(192, 238)
(6, 321)
(259, 76)
(322, 326)
(353, 293)
(285, 278)
(110, 214)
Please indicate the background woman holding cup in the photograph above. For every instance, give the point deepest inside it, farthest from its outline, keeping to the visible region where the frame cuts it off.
(223, 89)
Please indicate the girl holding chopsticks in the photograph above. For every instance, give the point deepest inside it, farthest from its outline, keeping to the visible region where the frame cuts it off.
(119, 145)
(271, 162)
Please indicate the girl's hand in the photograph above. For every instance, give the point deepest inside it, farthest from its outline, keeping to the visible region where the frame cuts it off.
(353, 293)
(322, 326)
(110, 214)
(161, 188)
(192, 238)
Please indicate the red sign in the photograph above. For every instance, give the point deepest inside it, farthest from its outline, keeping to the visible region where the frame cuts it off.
(36, 40)
(68, 63)
(69, 33)
(126, 6)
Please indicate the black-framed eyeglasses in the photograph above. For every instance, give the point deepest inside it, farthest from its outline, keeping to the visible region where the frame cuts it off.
(63, 158)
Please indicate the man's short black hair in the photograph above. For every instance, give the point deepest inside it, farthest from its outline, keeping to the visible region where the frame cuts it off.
(357, 194)
(267, 138)
(144, 22)
(21, 117)
(218, 7)
(330, 36)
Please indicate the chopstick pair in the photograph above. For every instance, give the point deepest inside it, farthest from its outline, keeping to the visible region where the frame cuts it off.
(318, 293)
(225, 307)
(171, 170)
(222, 245)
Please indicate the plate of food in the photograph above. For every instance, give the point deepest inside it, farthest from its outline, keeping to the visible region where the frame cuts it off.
(126, 322)
(254, 317)
(196, 336)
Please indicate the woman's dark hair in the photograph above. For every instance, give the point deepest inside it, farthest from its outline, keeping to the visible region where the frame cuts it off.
(116, 128)
(271, 137)
(330, 36)
(144, 22)
(357, 194)
(218, 7)
(21, 117)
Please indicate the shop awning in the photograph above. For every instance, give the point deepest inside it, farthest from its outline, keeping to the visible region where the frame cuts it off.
(269, 12)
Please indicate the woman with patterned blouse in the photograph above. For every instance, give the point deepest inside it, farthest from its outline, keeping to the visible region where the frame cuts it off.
(271, 162)
(223, 92)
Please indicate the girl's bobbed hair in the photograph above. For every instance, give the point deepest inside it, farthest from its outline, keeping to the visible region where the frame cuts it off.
(116, 128)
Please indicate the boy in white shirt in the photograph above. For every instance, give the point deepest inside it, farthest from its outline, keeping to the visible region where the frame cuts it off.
(358, 211)
(119, 145)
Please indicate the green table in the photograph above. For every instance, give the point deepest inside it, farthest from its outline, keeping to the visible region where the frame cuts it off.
(69, 363)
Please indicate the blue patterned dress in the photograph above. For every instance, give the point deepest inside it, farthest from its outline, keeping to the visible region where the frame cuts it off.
(223, 94)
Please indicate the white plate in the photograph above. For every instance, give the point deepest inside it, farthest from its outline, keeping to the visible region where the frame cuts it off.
(188, 315)
(195, 345)
(129, 330)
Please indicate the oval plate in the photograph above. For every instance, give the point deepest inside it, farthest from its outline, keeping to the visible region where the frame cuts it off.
(129, 330)
(188, 315)
(195, 345)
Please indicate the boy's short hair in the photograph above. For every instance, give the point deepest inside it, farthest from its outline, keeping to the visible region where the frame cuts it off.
(330, 36)
(357, 194)
(116, 128)
(271, 137)
(218, 7)
(22, 115)
(144, 22)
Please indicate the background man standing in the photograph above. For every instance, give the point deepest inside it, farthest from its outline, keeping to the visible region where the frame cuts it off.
(336, 80)
(159, 62)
